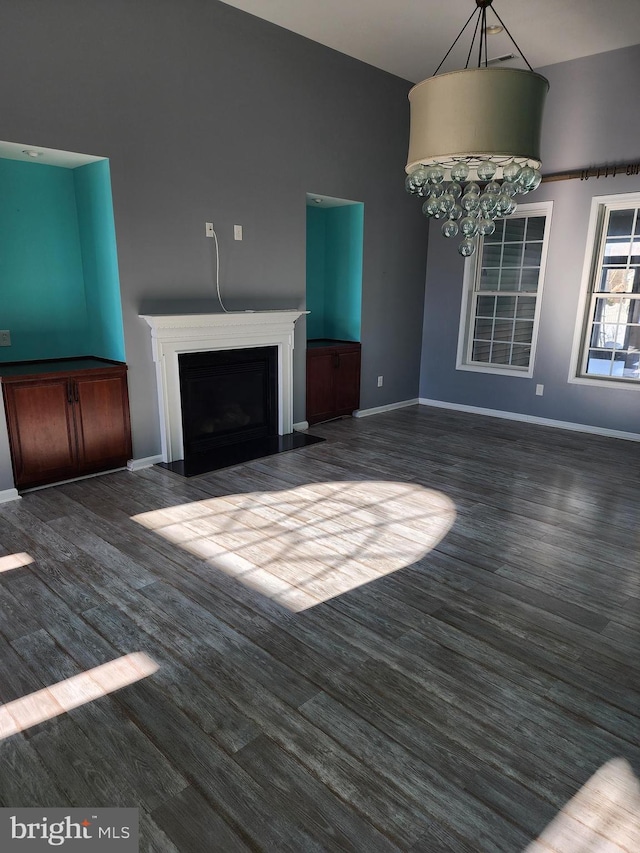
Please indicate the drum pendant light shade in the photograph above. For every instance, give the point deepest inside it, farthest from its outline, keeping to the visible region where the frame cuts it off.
(477, 114)
(474, 143)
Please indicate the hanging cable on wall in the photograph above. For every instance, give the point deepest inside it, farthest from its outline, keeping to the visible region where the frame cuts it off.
(217, 268)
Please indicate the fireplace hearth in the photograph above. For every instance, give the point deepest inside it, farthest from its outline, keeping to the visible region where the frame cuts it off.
(236, 431)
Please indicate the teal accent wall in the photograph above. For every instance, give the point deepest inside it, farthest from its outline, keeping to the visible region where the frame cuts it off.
(334, 271)
(42, 294)
(59, 285)
(99, 259)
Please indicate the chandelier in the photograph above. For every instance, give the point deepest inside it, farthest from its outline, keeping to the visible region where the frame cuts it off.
(474, 144)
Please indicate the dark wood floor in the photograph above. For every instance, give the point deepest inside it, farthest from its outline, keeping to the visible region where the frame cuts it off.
(435, 650)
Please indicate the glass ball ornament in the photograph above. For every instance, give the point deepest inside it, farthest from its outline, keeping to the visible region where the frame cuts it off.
(509, 188)
(455, 189)
(456, 212)
(435, 190)
(460, 171)
(502, 202)
(430, 207)
(486, 170)
(529, 180)
(493, 188)
(487, 203)
(468, 226)
(449, 228)
(511, 171)
(416, 180)
(446, 202)
(469, 201)
(486, 227)
(505, 205)
(535, 181)
(467, 247)
(472, 189)
(435, 173)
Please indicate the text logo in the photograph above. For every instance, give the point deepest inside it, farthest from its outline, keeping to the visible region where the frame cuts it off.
(80, 830)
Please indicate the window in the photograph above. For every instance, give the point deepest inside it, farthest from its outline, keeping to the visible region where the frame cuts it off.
(503, 286)
(609, 332)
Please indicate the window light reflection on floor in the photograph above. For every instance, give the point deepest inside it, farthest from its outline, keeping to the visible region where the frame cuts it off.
(73, 692)
(14, 561)
(308, 544)
(603, 817)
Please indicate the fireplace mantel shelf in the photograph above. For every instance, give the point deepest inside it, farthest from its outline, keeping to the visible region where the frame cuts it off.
(172, 334)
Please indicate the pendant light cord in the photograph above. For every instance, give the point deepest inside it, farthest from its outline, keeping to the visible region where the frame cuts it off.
(481, 13)
(455, 42)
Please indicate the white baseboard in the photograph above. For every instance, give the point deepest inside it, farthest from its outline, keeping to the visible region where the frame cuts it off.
(377, 410)
(145, 462)
(532, 419)
(9, 495)
(303, 425)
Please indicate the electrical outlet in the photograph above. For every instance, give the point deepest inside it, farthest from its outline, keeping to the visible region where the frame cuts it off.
(380, 381)
(5, 338)
(237, 232)
(539, 390)
(208, 229)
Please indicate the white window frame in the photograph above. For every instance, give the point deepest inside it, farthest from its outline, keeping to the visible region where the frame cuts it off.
(599, 207)
(467, 317)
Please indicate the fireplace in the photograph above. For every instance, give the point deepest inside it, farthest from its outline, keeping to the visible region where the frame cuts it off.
(178, 335)
(228, 397)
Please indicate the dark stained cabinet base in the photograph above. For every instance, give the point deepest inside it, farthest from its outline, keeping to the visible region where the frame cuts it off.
(333, 379)
(65, 418)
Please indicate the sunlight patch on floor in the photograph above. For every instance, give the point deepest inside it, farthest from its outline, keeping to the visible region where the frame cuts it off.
(14, 561)
(78, 690)
(305, 545)
(603, 817)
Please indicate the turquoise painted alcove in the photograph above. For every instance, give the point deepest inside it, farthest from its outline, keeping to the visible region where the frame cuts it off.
(335, 231)
(59, 283)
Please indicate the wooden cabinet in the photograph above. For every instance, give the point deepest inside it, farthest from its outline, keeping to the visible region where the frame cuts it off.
(333, 379)
(66, 418)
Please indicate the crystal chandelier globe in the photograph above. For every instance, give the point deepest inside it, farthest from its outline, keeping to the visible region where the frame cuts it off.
(474, 144)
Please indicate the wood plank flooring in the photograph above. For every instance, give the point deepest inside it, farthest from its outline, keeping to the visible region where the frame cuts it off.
(419, 635)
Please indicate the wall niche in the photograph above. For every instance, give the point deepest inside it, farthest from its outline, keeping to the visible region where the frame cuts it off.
(59, 283)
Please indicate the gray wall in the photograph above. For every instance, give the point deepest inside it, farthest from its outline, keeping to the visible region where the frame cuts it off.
(590, 120)
(208, 113)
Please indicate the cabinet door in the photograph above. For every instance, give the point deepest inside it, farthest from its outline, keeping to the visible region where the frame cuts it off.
(348, 382)
(320, 385)
(41, 431)
(102, 421)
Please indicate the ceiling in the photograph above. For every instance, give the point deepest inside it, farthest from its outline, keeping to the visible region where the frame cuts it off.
(45, 156)
(410, 37)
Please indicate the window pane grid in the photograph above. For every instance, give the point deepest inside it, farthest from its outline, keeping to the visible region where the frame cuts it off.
(503, 329)
(612, 337)
(507, 277)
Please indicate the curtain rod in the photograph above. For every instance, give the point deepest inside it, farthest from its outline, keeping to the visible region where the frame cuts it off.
(595, 172)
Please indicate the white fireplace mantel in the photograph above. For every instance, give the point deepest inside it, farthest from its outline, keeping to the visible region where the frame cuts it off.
(179, 333)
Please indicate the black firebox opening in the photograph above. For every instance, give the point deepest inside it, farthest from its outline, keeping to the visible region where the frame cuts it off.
(228, 397)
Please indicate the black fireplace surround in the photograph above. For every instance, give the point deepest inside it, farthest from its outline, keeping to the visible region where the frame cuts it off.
(229, 402)
(228, 397)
